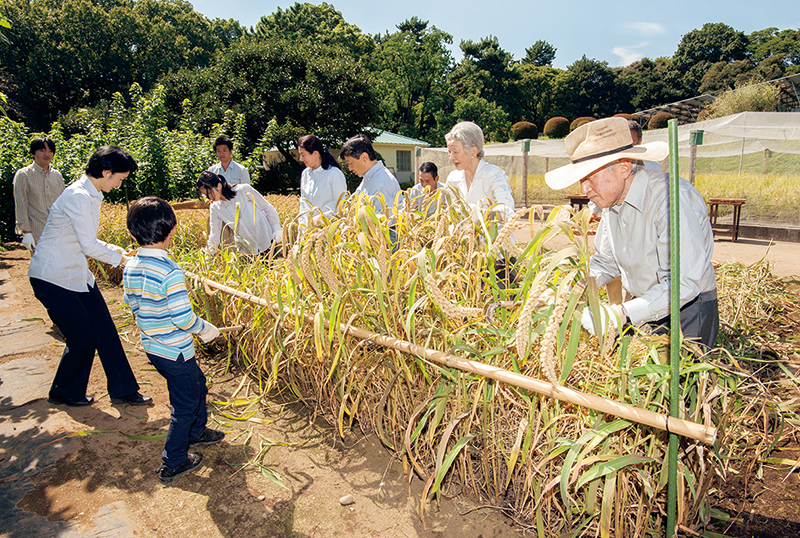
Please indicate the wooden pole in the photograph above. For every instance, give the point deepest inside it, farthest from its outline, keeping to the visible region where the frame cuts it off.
(741, 158)
(766, 161)
(692, 162)
(417, 153)
(704, 434)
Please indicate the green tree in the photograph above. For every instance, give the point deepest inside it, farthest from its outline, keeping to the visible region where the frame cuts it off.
(700, 49)
(408, 70)
(537, 91)
(589, 88)
(311, 23)
(723, 76)
(61, 55)
(767, 43)
(646, 83)
(487, 71)
(227, 30)
(540, 54)
(304, 87)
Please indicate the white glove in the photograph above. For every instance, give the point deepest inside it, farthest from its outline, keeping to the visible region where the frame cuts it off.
(29, 241)
(612, 313)
(208, 333)
(116, 248)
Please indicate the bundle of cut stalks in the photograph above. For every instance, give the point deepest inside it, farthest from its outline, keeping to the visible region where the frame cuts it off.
(456, 283)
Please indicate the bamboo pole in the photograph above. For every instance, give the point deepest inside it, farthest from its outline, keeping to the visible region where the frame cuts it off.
(699, 432)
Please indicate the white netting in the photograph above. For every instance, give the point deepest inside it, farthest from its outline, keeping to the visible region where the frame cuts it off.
(752, 145)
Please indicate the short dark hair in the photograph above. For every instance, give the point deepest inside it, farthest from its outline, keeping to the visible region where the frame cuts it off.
(633, 125)
(220, 140)
(429, 168)
(40, 142)
(356, 146)
(150, 220)
(311, 143)
(209, 180)
(112, 158)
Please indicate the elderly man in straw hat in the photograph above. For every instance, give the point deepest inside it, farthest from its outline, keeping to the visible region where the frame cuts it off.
(633, 237)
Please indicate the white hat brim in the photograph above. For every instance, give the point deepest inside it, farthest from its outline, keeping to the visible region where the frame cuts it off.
(563, 177)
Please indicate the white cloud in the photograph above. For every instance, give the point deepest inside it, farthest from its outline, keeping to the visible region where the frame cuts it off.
(646, 28)
(628, 55)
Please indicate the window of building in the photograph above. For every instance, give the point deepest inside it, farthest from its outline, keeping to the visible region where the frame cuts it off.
(403, 161)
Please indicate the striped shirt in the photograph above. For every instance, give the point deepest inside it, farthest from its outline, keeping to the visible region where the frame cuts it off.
(155, 289)
(35, 190)
(69, 237)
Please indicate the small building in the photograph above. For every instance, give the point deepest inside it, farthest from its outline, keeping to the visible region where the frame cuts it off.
(396, 151)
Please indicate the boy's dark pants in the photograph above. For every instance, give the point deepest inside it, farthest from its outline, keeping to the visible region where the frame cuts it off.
(87, 326)
(187, 395)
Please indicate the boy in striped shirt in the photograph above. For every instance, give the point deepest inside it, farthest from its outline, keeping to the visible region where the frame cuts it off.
(155, 289)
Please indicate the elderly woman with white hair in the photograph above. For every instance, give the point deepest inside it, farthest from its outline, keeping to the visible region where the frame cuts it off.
(479, 183)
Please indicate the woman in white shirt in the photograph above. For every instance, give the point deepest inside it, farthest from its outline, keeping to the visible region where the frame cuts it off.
(479, 183)
(322, 182)
(239, 212)
(62, 282)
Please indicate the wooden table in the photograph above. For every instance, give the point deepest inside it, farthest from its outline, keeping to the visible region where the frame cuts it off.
(578, 200)
(713, 213)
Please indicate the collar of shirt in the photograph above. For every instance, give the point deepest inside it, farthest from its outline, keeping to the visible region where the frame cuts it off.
(86, 183)
(637, 194)
(40, 169)
(372, 171)
(152, 252)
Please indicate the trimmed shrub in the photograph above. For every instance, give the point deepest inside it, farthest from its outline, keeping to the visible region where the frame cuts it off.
(557, 127)
(524, 129)
(626, 116)
(577, 122)
(659, 121)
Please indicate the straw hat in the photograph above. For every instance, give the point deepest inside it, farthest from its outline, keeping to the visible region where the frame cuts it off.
(595, 144)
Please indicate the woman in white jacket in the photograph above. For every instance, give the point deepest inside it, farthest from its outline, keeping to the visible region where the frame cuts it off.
(479, 183)
(241, 212)
(322, 182)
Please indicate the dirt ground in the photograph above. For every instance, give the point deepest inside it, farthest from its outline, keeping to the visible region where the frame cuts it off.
(74, 472)
(276, 474)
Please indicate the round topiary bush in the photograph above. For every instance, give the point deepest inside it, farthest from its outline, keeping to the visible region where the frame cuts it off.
(626, 116)
(659, 121)
(577, 122)
(524, 129)
(557, 127)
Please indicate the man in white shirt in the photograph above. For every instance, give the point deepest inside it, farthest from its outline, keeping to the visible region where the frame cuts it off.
(36, 187)
(377, 180)
(233, 172)
(633, 241)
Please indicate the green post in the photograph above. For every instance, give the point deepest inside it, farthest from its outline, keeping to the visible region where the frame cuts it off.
(674, 321)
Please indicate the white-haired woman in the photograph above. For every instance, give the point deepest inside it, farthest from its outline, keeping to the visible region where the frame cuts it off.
(479, 183)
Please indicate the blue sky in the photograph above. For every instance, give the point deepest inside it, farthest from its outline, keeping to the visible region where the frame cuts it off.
(617, 32)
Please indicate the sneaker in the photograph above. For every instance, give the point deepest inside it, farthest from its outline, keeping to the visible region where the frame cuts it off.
(208, 437)
(168, 474)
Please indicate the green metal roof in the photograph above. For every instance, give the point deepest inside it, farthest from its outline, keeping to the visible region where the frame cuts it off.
(385, 137)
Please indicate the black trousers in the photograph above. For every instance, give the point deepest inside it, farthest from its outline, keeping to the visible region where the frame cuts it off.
(87, 325)
(699, 320)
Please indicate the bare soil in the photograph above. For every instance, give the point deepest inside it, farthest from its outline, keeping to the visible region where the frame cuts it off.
(74, 472)
(280, 473)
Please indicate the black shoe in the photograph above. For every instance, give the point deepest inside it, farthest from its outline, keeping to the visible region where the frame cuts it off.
(133, 399)
(168, 474)
(86, 400)
(208, 437)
